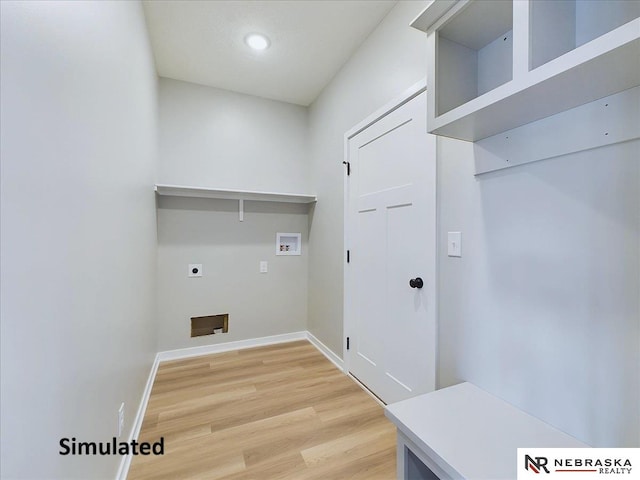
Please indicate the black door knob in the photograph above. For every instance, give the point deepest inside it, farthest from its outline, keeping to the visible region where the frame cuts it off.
(416, 283)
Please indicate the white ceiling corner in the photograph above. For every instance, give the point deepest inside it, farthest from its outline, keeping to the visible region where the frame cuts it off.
(203, 42)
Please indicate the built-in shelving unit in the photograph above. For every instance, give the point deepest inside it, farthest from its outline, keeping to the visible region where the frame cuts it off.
(494, 65)
(220, 193)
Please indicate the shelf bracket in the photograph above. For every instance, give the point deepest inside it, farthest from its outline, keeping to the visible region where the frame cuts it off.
(241, 210)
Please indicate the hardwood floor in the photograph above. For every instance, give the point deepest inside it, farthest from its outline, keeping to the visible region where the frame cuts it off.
(276, 412)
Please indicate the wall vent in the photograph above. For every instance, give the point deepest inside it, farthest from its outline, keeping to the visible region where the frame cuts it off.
(209, 325)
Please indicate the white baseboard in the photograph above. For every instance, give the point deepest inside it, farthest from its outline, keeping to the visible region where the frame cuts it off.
(137, 422)
(207, 350)
(229, 346)
(326, 351)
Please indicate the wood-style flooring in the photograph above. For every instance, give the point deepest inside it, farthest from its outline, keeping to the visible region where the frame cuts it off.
(277, 412)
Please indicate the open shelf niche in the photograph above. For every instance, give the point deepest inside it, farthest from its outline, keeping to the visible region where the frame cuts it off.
(472, 61)
(561, 26)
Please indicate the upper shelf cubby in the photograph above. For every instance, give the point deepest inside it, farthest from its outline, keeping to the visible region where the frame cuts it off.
(494, 65)
(470, 60)
(562, 25)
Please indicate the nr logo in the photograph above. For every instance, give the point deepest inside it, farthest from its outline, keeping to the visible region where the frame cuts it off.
(536, 464)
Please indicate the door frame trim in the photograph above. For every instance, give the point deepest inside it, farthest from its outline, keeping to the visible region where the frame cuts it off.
(347, 322)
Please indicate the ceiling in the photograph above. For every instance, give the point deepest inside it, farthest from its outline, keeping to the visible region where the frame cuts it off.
(203, 42)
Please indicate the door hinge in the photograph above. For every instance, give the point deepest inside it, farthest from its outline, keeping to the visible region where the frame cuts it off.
(348, 256)
(348, 164)
(347, 343)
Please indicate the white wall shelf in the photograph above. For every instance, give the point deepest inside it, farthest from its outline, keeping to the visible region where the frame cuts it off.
(225, 194)
(495, 65)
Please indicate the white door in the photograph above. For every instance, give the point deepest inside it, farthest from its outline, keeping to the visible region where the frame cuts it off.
(391, 238)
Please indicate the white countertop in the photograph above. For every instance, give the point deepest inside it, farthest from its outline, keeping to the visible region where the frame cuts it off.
(472, 434)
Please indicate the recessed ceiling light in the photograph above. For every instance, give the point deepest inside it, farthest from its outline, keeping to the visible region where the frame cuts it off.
(257, 41)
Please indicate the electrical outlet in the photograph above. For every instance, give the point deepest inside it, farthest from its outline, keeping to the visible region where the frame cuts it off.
(120, 419)
(195, 270)
(264, 266)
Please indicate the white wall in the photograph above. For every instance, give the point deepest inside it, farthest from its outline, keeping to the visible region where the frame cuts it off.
(543, 308)
(216, 138)
(78, 229)
(391, 60)
(196, 230)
